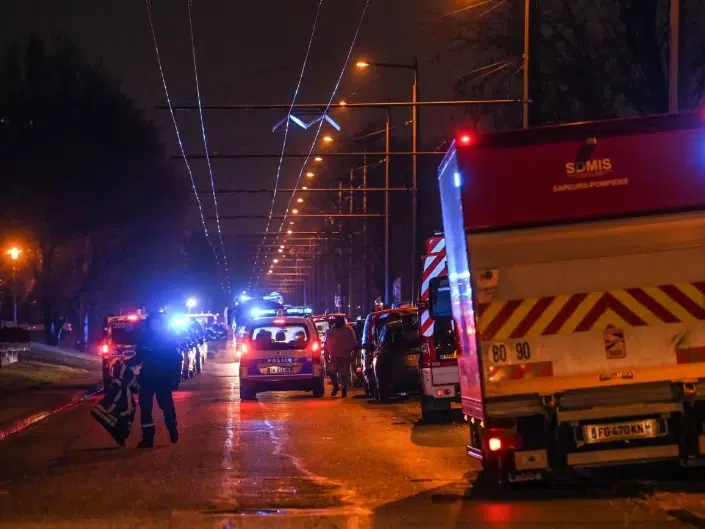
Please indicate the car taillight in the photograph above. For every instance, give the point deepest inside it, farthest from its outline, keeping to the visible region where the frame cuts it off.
(241, 348)
(425, 355)
(494, 444)
(316, 346)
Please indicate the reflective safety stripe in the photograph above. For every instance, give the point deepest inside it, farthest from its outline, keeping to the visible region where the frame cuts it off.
(569, 313)
(148, 425)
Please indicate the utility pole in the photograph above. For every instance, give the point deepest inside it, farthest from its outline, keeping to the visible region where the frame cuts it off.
(674, 56)
(414, 176)
(386, 210)
(527, 46)
(350, 252)
(365, 262)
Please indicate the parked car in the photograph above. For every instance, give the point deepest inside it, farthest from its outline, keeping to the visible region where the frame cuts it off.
(370, 340)
(396, 359)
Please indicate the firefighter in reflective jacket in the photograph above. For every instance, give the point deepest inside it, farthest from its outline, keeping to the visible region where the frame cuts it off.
(157, 351)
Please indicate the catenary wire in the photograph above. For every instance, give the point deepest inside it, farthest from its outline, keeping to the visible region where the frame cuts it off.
(148, 5)
(320, 123)
(223, 254)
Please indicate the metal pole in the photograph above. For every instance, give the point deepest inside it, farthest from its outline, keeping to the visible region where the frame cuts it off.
(674, 56)
(350, 252)
(525, 96)
(14, 292)
(414, 175)
(386, 211)
(364, 237)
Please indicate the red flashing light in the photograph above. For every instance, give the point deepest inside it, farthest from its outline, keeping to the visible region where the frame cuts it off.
(316, 346)
(465, 139)
(494, 444)
(279, 321)
(132, 317)
(106, 349)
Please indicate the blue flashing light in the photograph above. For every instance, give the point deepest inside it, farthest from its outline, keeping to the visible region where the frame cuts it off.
(457, 179)
(179, 321)
(244, 297)
(308, 310)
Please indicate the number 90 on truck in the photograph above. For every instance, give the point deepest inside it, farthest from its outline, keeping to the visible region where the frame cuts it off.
(587, 347)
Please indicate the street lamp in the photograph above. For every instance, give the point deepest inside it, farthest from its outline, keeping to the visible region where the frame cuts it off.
(295, 211)
(300, 200)
(191, 304)
(289, 232)
(362, 64)
(328, 139)
(14, 254)
(318, 159)
(310, 174)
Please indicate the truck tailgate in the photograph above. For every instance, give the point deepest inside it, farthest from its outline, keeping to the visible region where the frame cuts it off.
(593, 305)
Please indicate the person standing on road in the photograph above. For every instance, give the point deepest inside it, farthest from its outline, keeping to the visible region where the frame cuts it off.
(158, 351)
(340, 344)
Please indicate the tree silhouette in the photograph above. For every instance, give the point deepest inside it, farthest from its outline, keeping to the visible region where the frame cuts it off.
(83, 177)
(591, 59)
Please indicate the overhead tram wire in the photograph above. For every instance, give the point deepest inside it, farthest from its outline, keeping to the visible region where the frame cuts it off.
(320, 123)
(205, 145)
(148, 5)
(286, 130)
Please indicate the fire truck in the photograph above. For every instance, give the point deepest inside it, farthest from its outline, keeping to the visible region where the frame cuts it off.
(121, 335)
(576, 280)
(438, 364)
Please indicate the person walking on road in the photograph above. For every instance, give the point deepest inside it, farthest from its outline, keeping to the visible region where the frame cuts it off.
(340, 344)
(158, 352)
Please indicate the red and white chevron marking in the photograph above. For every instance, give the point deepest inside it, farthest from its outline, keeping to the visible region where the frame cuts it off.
(435, 264)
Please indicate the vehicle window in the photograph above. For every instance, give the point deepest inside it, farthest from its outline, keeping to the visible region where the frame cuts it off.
(125, 333)
(278, 337)
(322, 327)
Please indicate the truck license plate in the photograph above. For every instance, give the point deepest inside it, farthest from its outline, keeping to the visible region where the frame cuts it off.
(621, 431)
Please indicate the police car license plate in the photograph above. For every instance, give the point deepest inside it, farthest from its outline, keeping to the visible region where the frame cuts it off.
(621, 431)
(275, 370)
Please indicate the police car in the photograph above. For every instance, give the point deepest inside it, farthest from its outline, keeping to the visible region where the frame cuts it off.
(280, 353)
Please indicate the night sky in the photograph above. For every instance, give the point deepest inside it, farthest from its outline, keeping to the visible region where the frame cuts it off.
(252, 52)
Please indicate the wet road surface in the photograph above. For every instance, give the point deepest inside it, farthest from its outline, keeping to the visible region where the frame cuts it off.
(288, 460)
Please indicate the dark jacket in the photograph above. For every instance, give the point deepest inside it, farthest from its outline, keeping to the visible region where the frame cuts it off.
(160, 356)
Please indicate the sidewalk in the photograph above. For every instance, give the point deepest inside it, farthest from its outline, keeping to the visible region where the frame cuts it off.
(31, 391)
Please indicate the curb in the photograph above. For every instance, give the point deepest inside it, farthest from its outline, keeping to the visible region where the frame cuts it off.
(22, 424)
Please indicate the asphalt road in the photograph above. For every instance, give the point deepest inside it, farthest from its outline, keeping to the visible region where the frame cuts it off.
(289, 460)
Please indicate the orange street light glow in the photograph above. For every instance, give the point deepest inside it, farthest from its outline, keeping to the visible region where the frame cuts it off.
(14, 253)
(305, 189)
(318, 159)
(295, 211)
(310, 174)
(328, 139)
(289, 232)
(300, 200)
(291, 222)
(275, 261)
(343, 102)
(362, 64)
(282, 247)
(280, 250)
